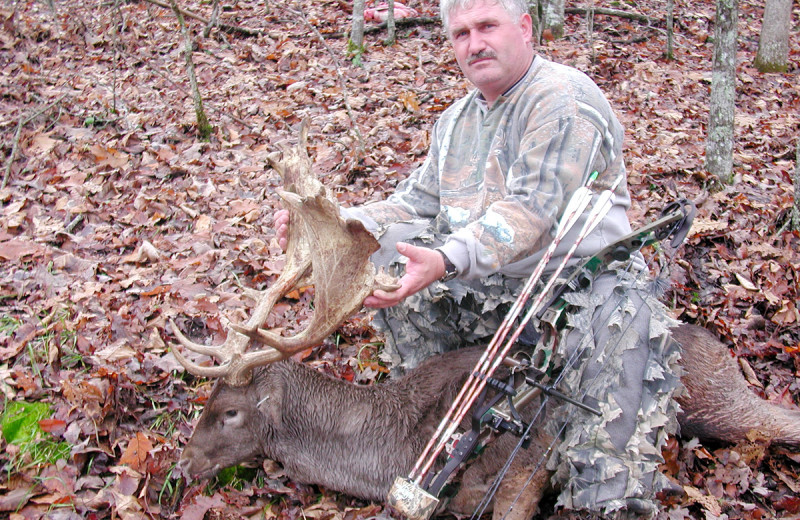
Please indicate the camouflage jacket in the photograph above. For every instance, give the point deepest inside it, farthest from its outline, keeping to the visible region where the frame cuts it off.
(497, 179)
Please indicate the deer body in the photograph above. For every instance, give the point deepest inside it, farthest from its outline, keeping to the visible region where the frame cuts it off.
(351, 438)
(357, 439)
(719, 403)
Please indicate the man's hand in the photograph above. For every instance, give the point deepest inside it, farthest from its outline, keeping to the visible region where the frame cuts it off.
(424, 267)
(281, 225)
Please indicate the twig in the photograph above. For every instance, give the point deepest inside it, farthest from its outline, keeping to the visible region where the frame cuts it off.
(342, 83)
(74, 223)
(24, 120)
(796, 210)
(610, 12)
(214, 21)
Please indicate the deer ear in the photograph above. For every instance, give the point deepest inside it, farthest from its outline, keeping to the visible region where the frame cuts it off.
(269, 397)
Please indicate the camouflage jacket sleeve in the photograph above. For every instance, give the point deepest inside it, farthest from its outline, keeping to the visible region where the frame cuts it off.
(497, 178)
(416, 197)
(547, 136)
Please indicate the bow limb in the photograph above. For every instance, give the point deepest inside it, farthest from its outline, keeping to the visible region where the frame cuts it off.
(574, 209)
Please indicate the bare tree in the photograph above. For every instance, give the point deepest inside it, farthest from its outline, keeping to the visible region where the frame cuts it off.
(773, 42)
(355, 44)
(204, 128)
(552, 17)
(719, 141)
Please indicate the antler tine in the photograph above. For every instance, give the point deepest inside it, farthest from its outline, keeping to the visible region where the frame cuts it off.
(341, 251)
(235, 366)
(295, 167)
(335, 251)
(218, 353)
(194, 368)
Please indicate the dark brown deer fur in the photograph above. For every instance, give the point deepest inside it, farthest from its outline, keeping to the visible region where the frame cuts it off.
(357, 439)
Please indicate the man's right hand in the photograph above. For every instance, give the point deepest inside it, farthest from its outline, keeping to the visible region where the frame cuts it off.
(423, 267)
(281, 225)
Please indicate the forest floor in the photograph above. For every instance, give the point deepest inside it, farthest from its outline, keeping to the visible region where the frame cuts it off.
(116, 218)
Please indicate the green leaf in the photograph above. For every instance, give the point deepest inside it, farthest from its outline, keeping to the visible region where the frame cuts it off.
(20, 421)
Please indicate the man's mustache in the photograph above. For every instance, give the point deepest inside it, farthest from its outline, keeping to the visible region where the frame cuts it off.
(481, 55)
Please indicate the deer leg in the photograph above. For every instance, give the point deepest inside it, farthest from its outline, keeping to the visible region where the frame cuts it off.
(520, 491)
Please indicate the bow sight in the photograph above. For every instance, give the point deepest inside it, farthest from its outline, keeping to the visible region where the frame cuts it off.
(417, 496)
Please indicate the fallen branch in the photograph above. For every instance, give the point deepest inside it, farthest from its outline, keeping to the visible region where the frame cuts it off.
(402, 22)
(611, 12)
(233, 29)
(24, 120)
(214, 21)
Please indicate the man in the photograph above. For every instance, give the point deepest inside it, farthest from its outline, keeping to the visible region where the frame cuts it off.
(470, 225)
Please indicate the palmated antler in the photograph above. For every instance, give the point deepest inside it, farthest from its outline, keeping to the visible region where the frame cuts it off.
(321, 245)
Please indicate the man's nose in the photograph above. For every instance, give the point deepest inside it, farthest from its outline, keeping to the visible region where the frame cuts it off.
(477, 44)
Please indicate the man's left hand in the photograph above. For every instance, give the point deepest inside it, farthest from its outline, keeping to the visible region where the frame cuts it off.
(424, 266)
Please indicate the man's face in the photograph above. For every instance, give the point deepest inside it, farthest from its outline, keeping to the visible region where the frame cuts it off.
(492, 50)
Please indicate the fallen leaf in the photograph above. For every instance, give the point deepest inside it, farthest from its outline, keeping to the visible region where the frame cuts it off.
(42, 144)
(16, 249)
(745, 282)
(708, 502)
(109, 157)
(136, 452)
(410, 101)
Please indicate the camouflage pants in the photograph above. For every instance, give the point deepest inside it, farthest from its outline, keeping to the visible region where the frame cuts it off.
(616, 354)
(443, 316)
(619, 357)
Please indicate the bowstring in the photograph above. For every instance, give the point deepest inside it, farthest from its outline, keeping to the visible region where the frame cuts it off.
(575, 208)
(569, 363)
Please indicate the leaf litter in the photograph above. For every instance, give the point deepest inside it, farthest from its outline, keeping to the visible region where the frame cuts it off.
(116, 218)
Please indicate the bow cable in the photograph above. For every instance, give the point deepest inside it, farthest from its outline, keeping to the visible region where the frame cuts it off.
(577, 204)
(599, 210)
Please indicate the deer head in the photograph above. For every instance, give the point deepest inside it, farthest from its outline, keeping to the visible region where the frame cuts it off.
(323, 250)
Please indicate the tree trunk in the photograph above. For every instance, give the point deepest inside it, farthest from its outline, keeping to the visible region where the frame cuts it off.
(590, 29)
(534, 9)
(204, 128)
(553, 17)
(796, 211)
(773, 43)
(719, 143)
(391, 30)
(670, 10)
(355, 45)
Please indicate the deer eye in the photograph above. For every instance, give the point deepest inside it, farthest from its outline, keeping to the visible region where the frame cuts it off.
(231, 413)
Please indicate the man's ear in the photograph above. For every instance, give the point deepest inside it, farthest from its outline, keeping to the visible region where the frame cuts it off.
(526, 24)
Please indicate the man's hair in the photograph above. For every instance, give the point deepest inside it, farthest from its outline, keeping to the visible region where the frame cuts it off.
(515, 8)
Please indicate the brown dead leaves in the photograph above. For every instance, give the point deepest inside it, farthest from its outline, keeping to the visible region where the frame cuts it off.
(116, 218)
